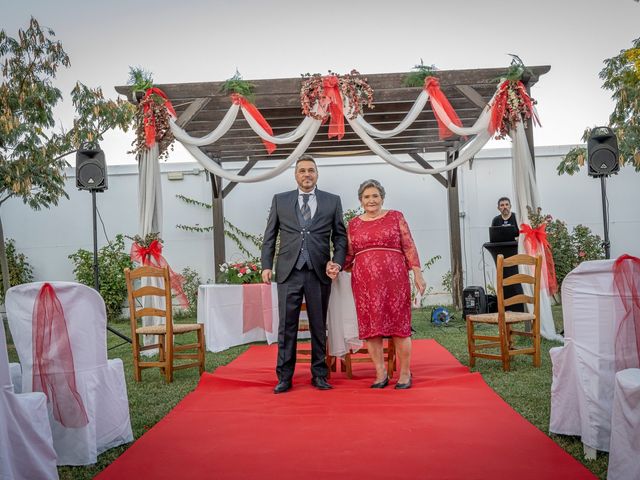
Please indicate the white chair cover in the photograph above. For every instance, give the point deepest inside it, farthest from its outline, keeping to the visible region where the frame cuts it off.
(342, 320)
(26, 446)
(625, 426)
(100, 382)
(584, 368)
(16, 377)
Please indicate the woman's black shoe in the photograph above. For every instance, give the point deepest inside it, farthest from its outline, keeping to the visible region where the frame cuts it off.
(403, 386)
(381, 384)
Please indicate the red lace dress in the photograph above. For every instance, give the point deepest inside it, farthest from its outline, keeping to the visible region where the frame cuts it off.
(382, 252)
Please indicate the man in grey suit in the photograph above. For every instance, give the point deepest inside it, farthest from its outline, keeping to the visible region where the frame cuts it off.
(307, 219)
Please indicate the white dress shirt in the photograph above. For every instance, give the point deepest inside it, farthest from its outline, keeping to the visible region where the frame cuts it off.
(313, 203)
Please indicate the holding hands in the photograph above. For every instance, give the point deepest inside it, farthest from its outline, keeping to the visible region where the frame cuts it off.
(332, 269)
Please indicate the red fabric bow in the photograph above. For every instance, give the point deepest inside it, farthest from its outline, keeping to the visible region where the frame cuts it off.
(331, 102)
(432, 86)
(152, 255)
(149, 119)
(252, 110)
(53, 369)
(626, 279)
(537, 237)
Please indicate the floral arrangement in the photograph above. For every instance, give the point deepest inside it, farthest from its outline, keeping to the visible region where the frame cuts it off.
(352, 86)
(147, 240)
(512, 105)
(248, 271)
(152, 116)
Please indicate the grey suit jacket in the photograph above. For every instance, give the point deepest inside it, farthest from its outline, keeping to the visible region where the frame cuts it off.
(326, 226)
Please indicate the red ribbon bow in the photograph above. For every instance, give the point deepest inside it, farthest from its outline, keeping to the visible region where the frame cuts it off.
(152, 255)
(149, 119)
(535, 237)
(432, 86)
(252, 110)
(331, 102)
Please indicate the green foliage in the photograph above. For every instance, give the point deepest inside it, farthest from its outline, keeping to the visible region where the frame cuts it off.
(112, 260)
(236, 84)
(517, 69)
(140, 79)
(427, 265)
(447, 282)
(621, 76)
(421, 71)
(569, 249)
(245, 241)
(20, 270)
(192, 282)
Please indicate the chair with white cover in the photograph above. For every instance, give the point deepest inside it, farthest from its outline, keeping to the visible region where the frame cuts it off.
(95, 385)
(26, 446)
(624, 449)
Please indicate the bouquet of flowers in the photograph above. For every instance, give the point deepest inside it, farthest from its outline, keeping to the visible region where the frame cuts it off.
(351, 85)
(248, 271)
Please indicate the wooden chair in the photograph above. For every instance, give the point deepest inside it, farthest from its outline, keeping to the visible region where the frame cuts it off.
(389, 358)
(505, 320)
(168, 351)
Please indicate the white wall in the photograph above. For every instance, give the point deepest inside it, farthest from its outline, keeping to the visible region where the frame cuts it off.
(47, 237)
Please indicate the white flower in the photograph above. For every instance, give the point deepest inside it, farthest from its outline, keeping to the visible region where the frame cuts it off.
(239, 274)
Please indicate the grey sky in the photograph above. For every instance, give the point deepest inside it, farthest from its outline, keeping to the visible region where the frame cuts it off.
(191, 41)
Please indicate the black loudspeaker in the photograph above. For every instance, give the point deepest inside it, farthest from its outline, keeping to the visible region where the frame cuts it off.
(602, 152)
(474, 301)
(91, 170)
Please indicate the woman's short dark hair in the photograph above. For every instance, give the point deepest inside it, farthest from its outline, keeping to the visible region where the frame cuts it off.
(371, 183)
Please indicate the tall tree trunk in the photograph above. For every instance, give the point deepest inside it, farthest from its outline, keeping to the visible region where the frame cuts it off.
(4, 264)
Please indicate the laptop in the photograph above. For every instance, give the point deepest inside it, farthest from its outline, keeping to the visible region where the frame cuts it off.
(503, 233)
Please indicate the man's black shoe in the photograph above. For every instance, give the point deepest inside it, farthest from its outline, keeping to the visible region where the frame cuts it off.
(282, 387)
(321, 383)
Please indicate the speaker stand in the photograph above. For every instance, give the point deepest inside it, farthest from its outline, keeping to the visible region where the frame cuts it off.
(96, 277)
(605, 216)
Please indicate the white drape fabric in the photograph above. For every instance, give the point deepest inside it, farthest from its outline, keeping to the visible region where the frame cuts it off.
(526, 193)
(26, 445)
(308, 128)
(99, 381)
(624, 450)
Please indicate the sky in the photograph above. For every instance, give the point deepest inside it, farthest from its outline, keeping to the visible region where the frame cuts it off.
(200, 41)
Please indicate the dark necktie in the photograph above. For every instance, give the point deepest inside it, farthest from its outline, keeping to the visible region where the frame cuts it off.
(305, 210)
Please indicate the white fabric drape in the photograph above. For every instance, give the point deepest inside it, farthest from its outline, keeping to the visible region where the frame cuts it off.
(525, 191)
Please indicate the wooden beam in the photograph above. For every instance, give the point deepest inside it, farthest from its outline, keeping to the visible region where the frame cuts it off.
(472, 95)
(217, 206)
(455, 239)
(243, 171)
(426, 165)
(192, 110)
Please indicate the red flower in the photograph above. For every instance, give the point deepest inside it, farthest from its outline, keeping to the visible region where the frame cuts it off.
(581, 253)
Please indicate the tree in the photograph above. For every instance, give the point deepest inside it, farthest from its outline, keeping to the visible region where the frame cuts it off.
(621, 75)
(33, 146)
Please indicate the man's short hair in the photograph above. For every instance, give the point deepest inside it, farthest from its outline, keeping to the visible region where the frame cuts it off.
(502, 199)
(305, 158)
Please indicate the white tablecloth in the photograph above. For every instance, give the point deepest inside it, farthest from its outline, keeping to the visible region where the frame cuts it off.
(584, 368)
(220, 310)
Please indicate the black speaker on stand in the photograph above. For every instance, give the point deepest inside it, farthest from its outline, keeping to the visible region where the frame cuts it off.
(91, 175)
(602, 161)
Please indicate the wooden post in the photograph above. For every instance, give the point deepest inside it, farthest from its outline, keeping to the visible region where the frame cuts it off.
(454, 235)
(217, 204)
(526, 79)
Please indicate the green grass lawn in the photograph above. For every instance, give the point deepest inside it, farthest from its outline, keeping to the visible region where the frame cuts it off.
(525, 388)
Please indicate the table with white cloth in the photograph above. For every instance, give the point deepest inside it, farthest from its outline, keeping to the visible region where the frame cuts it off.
(584, 368)
(220, 310)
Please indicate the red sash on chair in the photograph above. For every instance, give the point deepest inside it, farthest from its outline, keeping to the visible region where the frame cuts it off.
(626, 280)
(53, 370)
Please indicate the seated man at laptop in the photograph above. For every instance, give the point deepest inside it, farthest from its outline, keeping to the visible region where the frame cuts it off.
(505, 217)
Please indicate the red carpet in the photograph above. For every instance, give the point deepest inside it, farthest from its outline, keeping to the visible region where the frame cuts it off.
(450, 425)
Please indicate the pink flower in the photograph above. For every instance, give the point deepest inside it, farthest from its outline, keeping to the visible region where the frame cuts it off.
(243, 270)
(581, 253)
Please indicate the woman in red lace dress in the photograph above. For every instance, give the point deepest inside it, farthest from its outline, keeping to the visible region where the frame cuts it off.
(382, 251)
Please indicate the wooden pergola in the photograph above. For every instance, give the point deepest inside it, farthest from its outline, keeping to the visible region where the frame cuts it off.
(201, 106)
